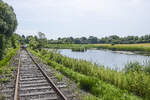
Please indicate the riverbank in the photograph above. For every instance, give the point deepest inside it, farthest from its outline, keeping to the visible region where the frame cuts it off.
(110, 87)
(145, 47)
(111, 59)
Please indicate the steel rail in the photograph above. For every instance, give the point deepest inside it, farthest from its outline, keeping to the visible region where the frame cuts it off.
(57, 90)
(17, 79)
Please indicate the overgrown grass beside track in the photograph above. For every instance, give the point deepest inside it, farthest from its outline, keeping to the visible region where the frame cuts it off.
(5, 69)
(98, 80)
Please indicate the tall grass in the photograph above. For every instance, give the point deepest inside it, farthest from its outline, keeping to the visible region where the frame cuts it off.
(5, 69)
(92, 84)
(133, 81)
(81, 49)
(10, 52)
(73, 47)
(124, 47)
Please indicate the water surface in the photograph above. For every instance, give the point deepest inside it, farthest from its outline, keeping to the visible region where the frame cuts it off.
(114, 60)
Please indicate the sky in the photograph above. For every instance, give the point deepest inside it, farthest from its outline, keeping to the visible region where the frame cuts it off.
(77, 18)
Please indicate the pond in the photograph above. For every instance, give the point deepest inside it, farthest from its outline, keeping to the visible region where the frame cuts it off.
(114, 60)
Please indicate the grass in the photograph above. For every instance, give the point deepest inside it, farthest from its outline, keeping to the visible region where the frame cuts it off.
(89, 97)
(2, 97)
(64, 46)
(73, 47)
(5, 68)
(97, 80)
(81, 49)
(125, 47)
(59, 76)
(132, 81)
(145, 47)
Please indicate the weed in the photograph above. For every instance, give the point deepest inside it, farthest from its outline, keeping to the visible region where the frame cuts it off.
(59, 76)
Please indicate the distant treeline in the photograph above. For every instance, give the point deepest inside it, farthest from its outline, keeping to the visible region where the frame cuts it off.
(113, 39)
(39, 41)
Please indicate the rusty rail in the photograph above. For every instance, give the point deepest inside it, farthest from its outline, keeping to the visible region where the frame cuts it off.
(17, 79)
(57, 90)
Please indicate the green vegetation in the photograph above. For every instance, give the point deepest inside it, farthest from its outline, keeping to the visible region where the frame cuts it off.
(67, 46)
(59, 76)
(132, 83)
(125, 47)
(2, 97)
(5, 68)
(113, 43)
(36, 42)
(143, 48)
(8, 40)
(90, 97)
(8, 21)
(98, 80)
(113, 39)
(81, 49)
(8, 24)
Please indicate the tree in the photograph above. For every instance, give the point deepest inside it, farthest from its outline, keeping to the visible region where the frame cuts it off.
(22, 40)
(93, 39)
(41, 35)
(83, 40)
(2, 46)
(8, 24)
(77, 41)
(32, 41)
(42, 40)
(8, 21)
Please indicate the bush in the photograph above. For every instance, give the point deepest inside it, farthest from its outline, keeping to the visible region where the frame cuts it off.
(87, 83)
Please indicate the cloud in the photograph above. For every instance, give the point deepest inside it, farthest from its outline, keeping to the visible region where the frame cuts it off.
(82, 16)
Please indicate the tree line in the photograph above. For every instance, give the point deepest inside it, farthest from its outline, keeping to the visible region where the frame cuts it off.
(39, 41)
(113, 39)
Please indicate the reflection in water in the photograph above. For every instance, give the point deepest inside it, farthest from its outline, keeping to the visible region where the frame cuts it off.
(105, 57)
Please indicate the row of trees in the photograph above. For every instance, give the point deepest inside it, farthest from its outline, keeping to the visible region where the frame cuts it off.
(82, 40)
(35, 42)
(40, 41)
(8, 24)
(113, 39)
(125, 40)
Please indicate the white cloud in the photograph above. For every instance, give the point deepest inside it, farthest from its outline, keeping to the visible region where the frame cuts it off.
(82, 16)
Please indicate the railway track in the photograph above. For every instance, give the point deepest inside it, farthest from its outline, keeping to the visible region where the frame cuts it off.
(33, 83)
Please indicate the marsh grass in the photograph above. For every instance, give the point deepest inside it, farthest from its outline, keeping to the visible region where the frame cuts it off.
(81, 49)
(94, 79)
(136, 81)
(145, 47)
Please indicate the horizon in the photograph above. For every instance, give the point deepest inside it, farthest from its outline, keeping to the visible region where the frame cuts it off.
(77, 18)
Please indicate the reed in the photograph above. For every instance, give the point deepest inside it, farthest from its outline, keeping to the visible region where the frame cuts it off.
(145, 47)
(129, 81)
(81, 49)
(120, 80)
